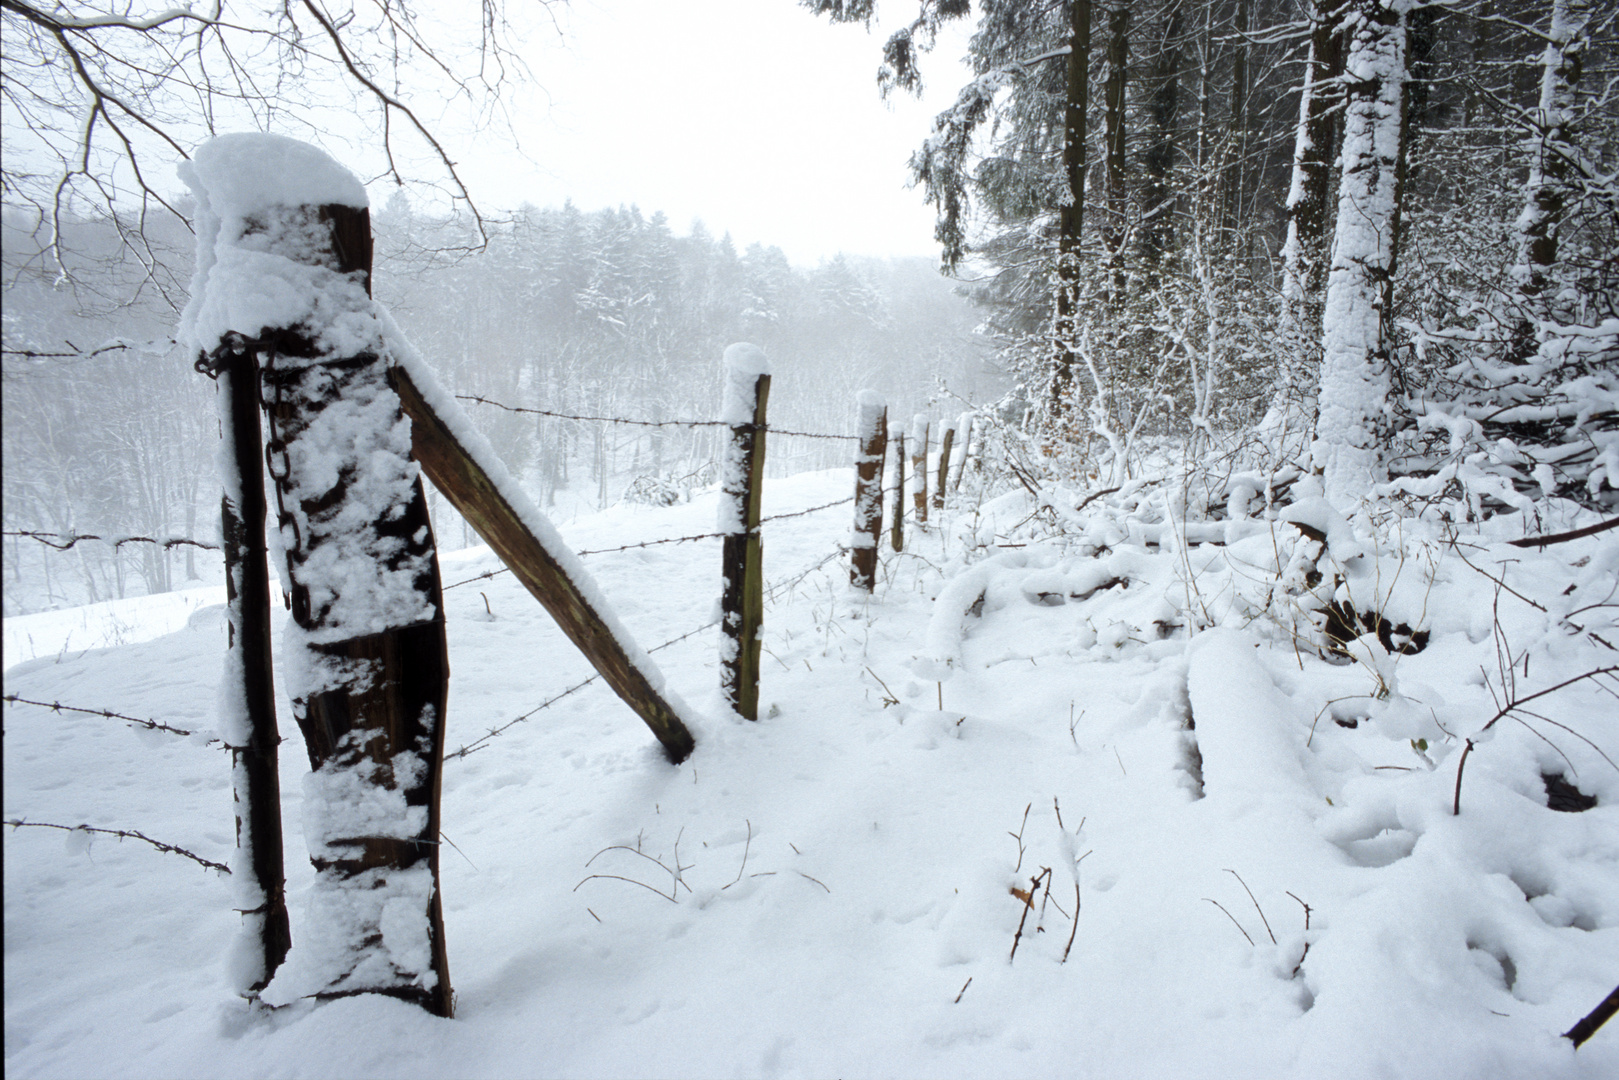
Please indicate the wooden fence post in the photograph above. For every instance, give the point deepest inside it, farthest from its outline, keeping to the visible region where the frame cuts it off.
(747, 389)
(872, 429)
(249, 724)
(368, 669)
(919, 467)
(896, 528)
(965, 426)
(943, 478)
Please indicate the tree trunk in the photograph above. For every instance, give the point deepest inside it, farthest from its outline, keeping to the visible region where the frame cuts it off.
(1545, 192)
(1351, 427)
(1071, 217)
(1236, 136)
(1116, 230)
(1304, 253)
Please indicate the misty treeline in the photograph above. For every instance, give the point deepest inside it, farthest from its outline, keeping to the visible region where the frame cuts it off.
(607, 313)
(1373, 240)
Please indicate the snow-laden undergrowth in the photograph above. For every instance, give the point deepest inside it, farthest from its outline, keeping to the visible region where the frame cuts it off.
(1132, 713)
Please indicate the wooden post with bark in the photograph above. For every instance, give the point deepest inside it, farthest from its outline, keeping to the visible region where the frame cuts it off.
(896, 515)
(872, 429)
(249, 727)
(366, 600)
(946, 443)
(747, 389)
(919, 467)
(283, 225)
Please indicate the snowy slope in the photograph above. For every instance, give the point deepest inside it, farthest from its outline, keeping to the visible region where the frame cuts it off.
(845, 864)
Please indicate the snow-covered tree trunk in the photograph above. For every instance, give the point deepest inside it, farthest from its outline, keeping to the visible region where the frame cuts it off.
(872, 429)
(284, 261)
(1071, 216)
(1354, 385)
(1303, 264)
(1545, 194)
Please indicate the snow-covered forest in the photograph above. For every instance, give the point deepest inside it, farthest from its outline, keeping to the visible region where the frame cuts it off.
(1220, 677)
(603, 314)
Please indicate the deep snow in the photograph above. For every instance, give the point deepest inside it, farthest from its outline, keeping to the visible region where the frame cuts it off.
(846, 863)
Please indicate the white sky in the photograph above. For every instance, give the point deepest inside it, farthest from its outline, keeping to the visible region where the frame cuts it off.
(752, 115)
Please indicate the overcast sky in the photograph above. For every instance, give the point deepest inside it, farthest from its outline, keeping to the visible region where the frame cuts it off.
(752, 115)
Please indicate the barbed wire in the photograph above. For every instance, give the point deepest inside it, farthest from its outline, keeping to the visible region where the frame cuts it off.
(64, 541)
(122, 834)
(481, 400)
(483, 740)
(77, 353)
(668, 540)
(58, 707)
(479, 743)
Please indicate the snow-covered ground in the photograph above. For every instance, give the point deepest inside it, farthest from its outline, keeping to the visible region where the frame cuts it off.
(829, 891)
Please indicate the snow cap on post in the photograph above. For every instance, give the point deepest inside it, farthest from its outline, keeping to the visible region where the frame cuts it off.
(261, 262)
(250, 172)
(744, 363)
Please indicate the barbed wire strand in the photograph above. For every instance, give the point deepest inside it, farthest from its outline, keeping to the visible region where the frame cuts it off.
(122, 834)
(483, 740)
(64, 541)
(478, 744)
(669, 540)
(58, 707)
(479, 399)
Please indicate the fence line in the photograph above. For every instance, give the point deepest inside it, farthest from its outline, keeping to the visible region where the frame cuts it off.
(479, 743)
(669, 540)
(643, 423)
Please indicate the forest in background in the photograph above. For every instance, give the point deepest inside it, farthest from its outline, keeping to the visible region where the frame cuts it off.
(1374, 241)
(603, 313)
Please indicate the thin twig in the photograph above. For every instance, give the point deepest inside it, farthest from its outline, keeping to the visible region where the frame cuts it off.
(1028, 906)
(817, 881)
(1075, 930)
(1257, 908)
(1587, 1026)
(1558, 538)
(745, 848)
(1233, 919)
(1456, 805)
